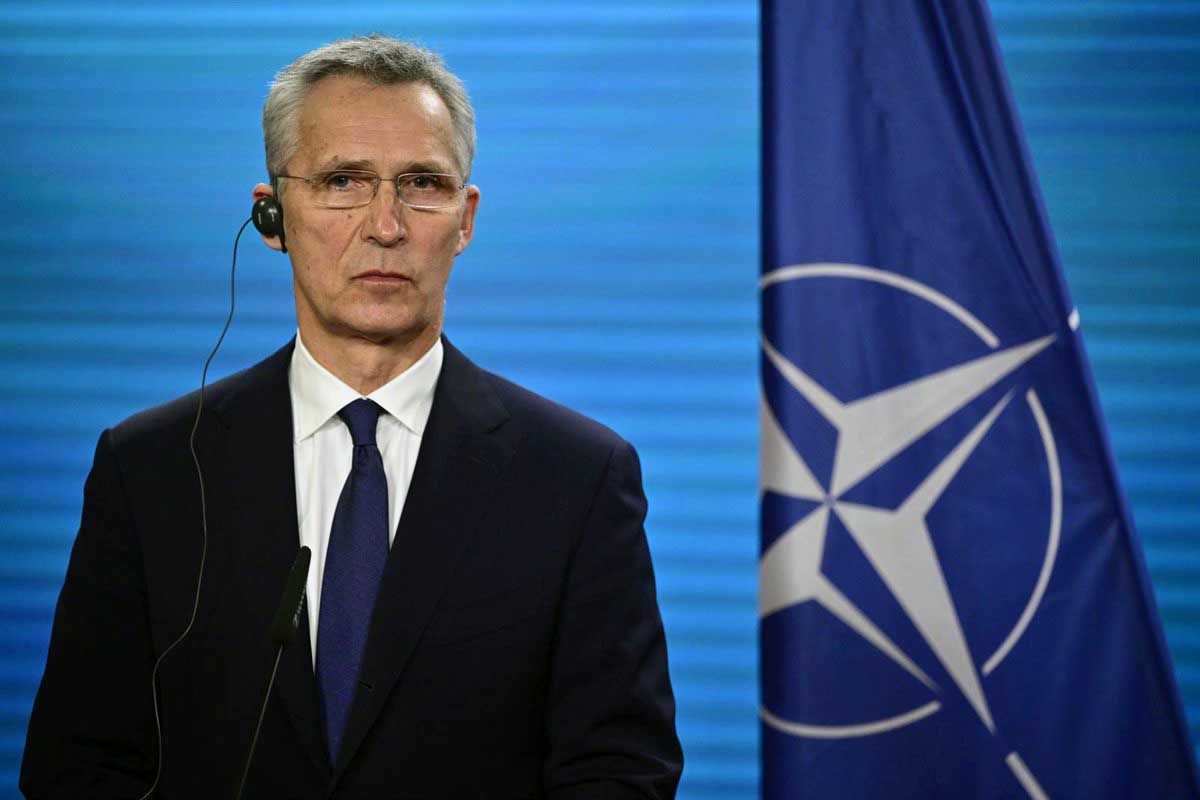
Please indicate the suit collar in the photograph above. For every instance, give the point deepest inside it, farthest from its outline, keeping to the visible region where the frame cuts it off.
(468, 395)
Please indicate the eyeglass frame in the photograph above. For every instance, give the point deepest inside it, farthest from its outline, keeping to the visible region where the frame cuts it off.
(378, 179)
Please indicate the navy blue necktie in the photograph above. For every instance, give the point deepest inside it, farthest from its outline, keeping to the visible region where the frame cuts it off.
(354, 560)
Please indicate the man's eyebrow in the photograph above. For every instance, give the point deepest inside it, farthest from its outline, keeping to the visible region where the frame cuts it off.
(427, 166)
(343, 163)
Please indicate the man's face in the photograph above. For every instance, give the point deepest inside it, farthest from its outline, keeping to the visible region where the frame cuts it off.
(378, 272)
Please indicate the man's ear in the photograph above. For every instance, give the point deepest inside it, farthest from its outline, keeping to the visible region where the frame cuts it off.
(275, 241)
(466, 228)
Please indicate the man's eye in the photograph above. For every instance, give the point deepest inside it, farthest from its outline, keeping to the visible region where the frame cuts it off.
(424, 182)
(342, 181)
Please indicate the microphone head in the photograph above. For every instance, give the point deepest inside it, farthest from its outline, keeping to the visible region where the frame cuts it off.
(287, 618)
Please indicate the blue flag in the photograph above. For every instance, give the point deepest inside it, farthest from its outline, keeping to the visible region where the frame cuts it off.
(952, 599)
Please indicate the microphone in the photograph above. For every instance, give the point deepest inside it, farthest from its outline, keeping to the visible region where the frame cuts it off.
(283, 631)
(287, 618)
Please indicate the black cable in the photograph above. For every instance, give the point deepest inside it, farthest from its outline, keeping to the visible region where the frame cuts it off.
(203, 519)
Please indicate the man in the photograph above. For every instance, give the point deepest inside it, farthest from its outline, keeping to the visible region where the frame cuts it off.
(481, 617)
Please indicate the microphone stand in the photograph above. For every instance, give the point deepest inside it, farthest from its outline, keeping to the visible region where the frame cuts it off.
(283, 631)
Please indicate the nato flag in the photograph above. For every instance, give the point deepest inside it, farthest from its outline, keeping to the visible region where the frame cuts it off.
(952, 599)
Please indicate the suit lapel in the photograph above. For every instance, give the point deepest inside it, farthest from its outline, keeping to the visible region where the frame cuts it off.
(458, 467)
(265, 534)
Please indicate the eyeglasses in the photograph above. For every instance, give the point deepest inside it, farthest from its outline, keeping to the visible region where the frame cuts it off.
(353, 188)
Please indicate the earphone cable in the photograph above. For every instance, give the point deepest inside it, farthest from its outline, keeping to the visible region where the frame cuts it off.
(203, 519)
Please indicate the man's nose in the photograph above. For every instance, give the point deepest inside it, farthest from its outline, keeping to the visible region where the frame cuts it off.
(385, 216)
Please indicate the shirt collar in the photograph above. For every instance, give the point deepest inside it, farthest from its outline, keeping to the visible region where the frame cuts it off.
(318, 395)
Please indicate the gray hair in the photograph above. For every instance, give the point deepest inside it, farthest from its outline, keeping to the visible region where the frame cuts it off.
(379, 59)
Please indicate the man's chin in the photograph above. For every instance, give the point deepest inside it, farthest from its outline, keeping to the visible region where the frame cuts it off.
(390, 332)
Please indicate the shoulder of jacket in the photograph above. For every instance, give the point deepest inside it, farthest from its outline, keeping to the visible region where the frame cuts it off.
(170, 420)
(547, 421)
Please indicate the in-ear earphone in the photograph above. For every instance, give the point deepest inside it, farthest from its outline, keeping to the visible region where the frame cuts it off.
(268, 218)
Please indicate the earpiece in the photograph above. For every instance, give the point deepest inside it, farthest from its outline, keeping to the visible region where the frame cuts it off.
(267, 215)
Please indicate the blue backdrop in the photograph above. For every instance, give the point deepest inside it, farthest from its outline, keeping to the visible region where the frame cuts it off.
(629, 291)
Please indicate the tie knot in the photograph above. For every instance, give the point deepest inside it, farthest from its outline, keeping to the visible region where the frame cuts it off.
(360, 417)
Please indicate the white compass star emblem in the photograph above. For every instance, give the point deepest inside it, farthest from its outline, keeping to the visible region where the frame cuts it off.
(871, 431)
(896, 542)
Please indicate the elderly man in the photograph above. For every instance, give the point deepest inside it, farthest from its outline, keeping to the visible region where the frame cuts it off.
(481, 617)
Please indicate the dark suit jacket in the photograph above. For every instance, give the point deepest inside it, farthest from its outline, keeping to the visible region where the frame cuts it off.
(515, 650)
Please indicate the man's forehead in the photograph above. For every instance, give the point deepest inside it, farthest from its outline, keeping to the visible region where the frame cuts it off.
(348, 118)
(357, 87)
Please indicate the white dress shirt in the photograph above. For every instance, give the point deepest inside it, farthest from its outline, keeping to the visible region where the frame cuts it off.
(323, 448)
